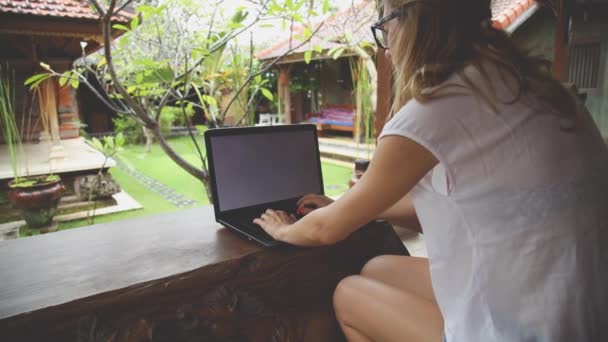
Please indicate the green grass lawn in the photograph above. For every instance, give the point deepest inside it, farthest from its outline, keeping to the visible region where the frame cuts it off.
(157, 165)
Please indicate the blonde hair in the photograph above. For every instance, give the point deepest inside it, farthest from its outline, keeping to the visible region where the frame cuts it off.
(436, 39)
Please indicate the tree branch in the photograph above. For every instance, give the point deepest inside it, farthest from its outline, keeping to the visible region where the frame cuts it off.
(127, 3)
(98, 8)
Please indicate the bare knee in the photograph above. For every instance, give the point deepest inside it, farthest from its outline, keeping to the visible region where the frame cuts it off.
(345, 294)
(376, 266)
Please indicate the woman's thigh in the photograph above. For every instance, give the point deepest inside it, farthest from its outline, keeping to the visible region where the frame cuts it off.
(410, 274)
(381, 312)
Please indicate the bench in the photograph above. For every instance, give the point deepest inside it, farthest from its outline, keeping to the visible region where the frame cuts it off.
(267, 119)
(334, 118)
(175, 277)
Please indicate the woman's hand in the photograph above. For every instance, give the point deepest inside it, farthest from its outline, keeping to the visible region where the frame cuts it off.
(310, 202)
(274, 220)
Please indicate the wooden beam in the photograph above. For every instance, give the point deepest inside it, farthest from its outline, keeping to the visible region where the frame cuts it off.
(284, 92)
(561, 44)
(384, 91)
(28, 25)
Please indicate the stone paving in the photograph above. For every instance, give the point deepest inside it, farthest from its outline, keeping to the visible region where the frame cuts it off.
(344, 151)
(170, 195)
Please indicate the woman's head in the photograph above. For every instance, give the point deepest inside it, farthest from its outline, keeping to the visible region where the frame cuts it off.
(430, 40)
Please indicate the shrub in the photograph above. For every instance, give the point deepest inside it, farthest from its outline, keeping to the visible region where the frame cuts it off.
(130, 129)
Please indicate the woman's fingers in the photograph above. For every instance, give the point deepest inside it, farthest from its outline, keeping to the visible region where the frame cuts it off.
(313, 200)
(305, 199)
(274, 216)
(273, 220)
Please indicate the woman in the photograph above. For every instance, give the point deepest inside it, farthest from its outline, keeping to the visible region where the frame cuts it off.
(508, 177)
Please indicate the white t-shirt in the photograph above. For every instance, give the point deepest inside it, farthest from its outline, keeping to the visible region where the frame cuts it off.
(515, 218)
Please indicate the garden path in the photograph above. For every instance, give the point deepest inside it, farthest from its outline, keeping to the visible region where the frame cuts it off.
(170, 195)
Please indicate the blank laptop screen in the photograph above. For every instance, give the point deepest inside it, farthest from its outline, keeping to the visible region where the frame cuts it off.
(253, 169)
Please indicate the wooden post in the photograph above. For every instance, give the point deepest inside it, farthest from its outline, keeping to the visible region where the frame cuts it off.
(560, 53)
(68, 113)
(384, 91)
(48, 100)
(284, 93)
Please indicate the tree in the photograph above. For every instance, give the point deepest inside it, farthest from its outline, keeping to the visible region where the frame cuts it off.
(178, 60)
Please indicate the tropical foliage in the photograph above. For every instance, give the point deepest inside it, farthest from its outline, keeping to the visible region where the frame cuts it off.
(181, 54)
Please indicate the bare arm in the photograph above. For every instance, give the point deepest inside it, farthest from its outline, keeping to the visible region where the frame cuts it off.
(402, 214)
(399, 163)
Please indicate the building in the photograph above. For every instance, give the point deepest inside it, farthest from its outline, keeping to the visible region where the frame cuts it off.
(578, 52)
(55, 32)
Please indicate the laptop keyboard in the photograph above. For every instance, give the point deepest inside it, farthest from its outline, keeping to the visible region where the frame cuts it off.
(255, 230)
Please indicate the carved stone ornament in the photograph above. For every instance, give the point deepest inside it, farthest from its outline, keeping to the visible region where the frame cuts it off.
(102, 186)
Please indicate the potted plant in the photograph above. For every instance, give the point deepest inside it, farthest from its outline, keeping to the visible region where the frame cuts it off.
(36, 197)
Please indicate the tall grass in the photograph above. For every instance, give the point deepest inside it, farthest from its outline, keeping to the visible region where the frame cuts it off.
(364, 115)
(8, 125)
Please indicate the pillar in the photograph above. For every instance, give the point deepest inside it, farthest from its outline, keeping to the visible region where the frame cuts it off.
(384, 90)
(67, 110)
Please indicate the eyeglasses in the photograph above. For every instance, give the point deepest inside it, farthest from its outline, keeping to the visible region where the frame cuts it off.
(380, 34)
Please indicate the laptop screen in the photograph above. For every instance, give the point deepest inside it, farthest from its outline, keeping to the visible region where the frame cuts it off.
(254, 166)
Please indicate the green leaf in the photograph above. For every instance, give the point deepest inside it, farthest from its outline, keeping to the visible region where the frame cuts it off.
(101, 62)
(307, 33)
(318, 48)
(63, 80)
(109, 140)
(131, 89)
(96, 144)
(332, 50)
(325, 6)
(299, 4)
(338, 53)
(274, 8)
(34, 78)
(365, 45)
(120, 27)
(75, 84)
(307, 56)
(239, 16)
(120, 140)
(210, 100)
(349, 37)
(267, 94)
(134, 23)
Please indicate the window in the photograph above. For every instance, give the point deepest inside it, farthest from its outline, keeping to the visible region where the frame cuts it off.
(585, 67)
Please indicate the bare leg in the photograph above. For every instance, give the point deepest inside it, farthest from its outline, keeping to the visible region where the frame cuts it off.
(409, 274)
(391, 301)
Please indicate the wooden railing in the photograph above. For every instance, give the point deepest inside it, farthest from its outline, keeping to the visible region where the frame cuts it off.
(175, 277)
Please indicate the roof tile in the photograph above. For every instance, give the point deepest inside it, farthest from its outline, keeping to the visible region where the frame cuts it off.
(359, 18)
(75, 9)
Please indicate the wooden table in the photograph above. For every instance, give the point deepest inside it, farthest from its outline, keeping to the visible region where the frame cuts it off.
(175, 277)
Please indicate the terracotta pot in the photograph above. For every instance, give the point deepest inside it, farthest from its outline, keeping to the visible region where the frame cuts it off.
(38, 203)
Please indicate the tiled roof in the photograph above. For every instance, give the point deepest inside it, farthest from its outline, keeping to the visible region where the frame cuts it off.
(359, 18)
(505, 12)
(356, 20)
(75, 9)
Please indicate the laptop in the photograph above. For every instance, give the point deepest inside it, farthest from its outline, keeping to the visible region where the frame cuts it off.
(252, 169)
